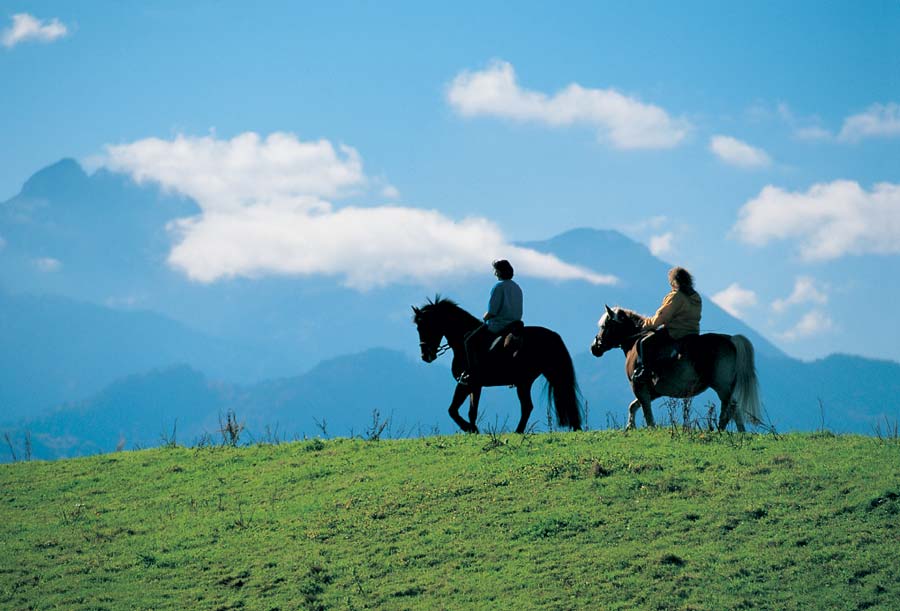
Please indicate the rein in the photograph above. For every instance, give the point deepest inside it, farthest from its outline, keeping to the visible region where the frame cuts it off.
(440, 350)
(634, 336)
(627, 338)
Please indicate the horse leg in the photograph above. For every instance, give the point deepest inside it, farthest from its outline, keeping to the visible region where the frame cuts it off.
(648, 413)
(474, 398)
(727, 412)
(632, 410)
(643, 396)
(524, 393)
(459, 396)
(739, 420)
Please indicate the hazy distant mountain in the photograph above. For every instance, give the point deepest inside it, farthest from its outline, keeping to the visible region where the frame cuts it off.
(87, 300)
(57, 350)
(340, 396)
(137, 411)
(840, 392)
(99, 238)
(343, 393)
(103, 239)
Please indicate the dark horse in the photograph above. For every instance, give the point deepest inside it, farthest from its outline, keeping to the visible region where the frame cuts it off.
(542, 353)
(724, 363)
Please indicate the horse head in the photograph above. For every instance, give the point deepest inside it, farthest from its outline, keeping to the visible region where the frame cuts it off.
(429, 334)
(616, 325)
(434, 321)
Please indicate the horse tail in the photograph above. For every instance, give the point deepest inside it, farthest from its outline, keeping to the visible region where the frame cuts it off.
(562, 387)
(746, 386)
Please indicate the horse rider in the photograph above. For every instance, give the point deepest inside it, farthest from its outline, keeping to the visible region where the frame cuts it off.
(504, 309)
(677, 317)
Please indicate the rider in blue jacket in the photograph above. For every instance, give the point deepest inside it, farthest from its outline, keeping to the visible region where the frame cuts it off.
(504, 308)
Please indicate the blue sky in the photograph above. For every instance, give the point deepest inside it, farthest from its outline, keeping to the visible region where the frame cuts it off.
(756, 143)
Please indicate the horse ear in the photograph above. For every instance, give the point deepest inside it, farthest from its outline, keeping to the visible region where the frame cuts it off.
(610, 312)
(415, 309)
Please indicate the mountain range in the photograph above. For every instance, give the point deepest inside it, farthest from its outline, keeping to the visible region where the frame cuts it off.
(105, 342)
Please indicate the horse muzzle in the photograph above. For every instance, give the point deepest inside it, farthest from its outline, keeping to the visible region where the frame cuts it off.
(597, 349)
(429, 355)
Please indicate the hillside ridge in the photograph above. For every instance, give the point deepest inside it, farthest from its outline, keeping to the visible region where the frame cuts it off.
(662, 519)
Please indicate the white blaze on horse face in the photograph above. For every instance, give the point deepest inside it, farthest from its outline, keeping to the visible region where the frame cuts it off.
(597, 345)
(604, 320)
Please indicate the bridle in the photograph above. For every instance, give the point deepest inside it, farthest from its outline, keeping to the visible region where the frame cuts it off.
(429, 354)
(440, 350)
(619, 342)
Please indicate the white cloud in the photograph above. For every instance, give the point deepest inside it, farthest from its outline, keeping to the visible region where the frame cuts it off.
(812, 323)
(625, 121)
(25, 28)
(390, 192)
(264, 212)
(805, 291)
(807, 127)
(654, 223)
(661, 244)
(879, 120)
(829, 220)
(368, 246)
(735, 299)
(230, 174)
(734, 152)
(47, 264)
(812, 132)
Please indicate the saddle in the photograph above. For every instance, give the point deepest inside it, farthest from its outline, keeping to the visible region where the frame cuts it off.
(663, 357)
(678, 349)
(510, 338)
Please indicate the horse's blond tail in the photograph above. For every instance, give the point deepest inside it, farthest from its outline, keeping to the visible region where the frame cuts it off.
(746, 386)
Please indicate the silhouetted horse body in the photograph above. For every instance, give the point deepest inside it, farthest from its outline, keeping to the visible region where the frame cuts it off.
(542, 353)
(724, 363)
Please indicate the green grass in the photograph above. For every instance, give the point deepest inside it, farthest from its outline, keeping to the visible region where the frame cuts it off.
(600, 520)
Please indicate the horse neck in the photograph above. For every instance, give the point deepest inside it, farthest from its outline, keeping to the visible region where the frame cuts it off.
(628, 344)
(459, 324)
(632, 337)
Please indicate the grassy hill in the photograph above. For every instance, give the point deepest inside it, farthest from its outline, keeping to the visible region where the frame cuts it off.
(601, 520)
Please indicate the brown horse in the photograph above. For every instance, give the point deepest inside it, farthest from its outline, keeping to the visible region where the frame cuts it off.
(724, 363)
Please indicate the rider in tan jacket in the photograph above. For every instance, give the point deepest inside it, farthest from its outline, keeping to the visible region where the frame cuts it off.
(679, 313)
(677, 317)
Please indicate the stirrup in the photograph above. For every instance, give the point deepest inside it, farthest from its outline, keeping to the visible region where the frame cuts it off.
(641, 374)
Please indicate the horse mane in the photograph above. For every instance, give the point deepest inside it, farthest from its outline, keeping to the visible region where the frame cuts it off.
(636, 319)
(440, 304)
